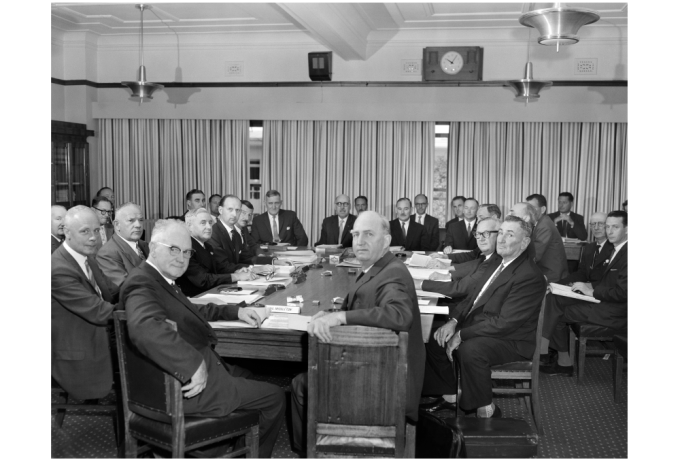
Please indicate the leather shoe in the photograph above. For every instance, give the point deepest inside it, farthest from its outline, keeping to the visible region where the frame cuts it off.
(549, 358)
(438, 405)
(556, 369)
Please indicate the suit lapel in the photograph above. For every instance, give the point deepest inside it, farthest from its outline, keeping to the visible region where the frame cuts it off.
(619, 255)
(69, 259)
(375, 269)
(125, 248)
(333, 234)
(168, 288)
(503, 278)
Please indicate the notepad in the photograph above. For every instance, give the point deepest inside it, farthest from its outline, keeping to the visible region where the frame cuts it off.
(565, 291)
(424, 273)
(224, 299)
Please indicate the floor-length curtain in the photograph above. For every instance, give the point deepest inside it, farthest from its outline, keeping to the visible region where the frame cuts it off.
(313, 162)
(504, 162)
(155, 162)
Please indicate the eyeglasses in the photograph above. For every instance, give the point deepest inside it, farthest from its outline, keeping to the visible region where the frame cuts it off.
(104, 211)
(344, 205)
(485, 234)
(175, 251)
(597, 224)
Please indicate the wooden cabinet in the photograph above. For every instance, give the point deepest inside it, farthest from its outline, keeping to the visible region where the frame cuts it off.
(70, 164)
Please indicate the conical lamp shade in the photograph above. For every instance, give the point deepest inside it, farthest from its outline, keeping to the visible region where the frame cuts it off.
(142, 88)
(558, 26)
(528, 88)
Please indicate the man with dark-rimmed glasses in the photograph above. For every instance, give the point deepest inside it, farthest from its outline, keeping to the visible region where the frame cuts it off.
(103, 208)
(337, 229)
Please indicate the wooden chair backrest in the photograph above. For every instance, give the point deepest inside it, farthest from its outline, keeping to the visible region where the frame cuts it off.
(539, 334)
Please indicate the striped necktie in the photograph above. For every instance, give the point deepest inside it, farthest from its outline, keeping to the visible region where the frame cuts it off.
(90, 276)
(486, 286)
(342, 227)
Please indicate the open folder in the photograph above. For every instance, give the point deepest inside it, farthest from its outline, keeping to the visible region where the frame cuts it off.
(269, 320)
(565, 291)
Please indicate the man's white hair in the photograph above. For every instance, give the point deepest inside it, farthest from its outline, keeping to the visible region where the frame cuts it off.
(191, 215)
(162, 226)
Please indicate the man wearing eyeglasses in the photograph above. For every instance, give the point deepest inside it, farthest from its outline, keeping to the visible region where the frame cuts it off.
(430, 223)
(337, 229)
(211, 388)
(125, 250)
(103, 208)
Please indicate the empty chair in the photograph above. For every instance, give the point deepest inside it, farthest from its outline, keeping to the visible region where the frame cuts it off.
(579, 335)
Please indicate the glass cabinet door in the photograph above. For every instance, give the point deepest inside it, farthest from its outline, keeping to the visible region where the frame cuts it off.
(79, 170)
(60, 173)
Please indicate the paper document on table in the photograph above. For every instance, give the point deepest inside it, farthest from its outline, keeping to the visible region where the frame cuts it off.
(418, 260)
(224, 299)
(354, 263)
(300, 252)
(424, 273)
(286, 321)
(329, 246)
(460, 251)
(264, 282)
(228, 324)
(434, 309)
(565, 291)
(299, 259)
(427, 301)
(426, 294)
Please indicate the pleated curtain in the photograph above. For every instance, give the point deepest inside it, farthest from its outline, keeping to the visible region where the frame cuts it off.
(155, 162)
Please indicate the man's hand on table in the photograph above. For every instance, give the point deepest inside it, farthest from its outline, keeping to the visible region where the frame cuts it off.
(243, 276)
(444, 333)
(249, 316)
(197, 383)
(243, 270)
(436, 276)
(320, 324)
(448, 250)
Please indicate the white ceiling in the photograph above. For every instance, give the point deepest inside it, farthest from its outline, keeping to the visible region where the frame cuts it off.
(344, 28)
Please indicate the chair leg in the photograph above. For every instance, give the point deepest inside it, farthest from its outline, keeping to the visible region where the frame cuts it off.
(527, 397)
(130, 446)
(572, 350)
(61, 413)
(582, 347)
(410, 447)
(618, 376)
(253, 442)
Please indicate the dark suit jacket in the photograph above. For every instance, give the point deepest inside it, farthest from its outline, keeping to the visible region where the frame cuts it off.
(249, 250)
(55, 243)
(460, 257)
(108, 229)
(509, 307)
(462, 286)
(81, 361)
(547, 249)
(290, 229)
(386, 297)
(416, 239)
(330, 228)
(577, 231)
(226, 259)
(116, 258)
(202, 273)
(457, 236)
(431, 225)
(589, 272)
(451, 222)
(612, 291)
(149, 300)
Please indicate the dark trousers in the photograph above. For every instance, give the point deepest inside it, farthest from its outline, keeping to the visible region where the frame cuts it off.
(298, 390)
(476, 356)
(440, 373)
(559, 312)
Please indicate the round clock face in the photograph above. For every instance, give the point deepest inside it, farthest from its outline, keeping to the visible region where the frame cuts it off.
(452, 63)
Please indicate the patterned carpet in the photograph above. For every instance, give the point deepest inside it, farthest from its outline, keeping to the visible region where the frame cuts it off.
(579, 421)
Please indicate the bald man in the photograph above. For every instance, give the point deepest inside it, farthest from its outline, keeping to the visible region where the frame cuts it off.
(125, 250)
(83, 300)
(211, 388)
(337, 229)
(57, 230)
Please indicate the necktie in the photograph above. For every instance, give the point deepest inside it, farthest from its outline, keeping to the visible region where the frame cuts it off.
(469, 228)
(597, 253)
(177, 289)
(102, 233)
(342, 227)
(140, 253)
(493, 278)
(403, 231)
(275, 230)
(420, 220)
(236, 241)
(90, 276)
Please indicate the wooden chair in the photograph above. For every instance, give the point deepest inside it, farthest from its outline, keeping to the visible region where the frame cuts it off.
(88, 405)
(620, 354)
(579, 335)
(357, 395)
(154, 413)
(527, 372)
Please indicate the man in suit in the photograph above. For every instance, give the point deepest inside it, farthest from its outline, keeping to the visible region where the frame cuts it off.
(457, 205)
(107, 192)
(103, 208)
(430, 223)
(336, 229)
(125, 250)
(57, 227)
(83, 300)
(227, 240)
(383, 295)
(202, 273)
(497, 321)
(485, 211)
(439, 375)
(214, 203)
(245, 219)
(278, 225)
(195, 199)
(360, 204)
(546, 247)
(411, 235)
(611, 290)
(459, 235)
(211, 388)
(569, 224)
(489, 210)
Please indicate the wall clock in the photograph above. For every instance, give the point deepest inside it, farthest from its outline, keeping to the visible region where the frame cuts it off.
(453, 63)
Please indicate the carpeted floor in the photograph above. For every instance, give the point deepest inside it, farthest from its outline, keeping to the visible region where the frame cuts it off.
(579, 421)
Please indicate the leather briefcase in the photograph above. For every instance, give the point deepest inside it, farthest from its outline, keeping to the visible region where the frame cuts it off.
(435, 438)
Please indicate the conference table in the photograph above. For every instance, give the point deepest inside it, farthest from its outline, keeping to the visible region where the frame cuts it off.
(284, 344)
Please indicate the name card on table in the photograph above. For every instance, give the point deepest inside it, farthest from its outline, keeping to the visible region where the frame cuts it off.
(282, 309)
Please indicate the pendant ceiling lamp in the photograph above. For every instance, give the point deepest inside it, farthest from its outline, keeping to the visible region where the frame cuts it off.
(528, 88)
(142, 88)
(558, 25)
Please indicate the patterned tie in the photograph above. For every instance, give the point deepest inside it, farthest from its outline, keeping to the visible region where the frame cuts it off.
(140, 253)
(493, 278)
(403, 231)
(236, 241)
(275, 230)
(342, 227)
(102, 233)
(90, 276)
(177, 289)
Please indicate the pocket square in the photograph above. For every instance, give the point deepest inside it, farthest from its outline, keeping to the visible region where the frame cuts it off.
(287, 228)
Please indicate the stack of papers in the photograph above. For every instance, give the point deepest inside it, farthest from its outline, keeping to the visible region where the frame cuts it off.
(424, 273)
(433, 310)
(269, 320)
(430, 294)
(224, 299)
(418, 260)
(286, 281)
